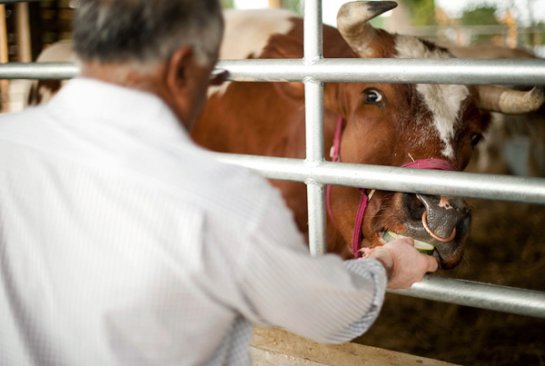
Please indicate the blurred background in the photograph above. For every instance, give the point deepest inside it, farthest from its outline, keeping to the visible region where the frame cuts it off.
(510, 23)
(507, 242)
(32, 26)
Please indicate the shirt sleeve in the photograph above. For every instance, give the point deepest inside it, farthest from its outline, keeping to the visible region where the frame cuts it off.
(322, 298)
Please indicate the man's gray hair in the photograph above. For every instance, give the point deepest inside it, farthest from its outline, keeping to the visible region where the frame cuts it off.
(146, 32)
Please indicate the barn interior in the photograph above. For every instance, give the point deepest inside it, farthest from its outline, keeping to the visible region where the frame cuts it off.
(507, 240)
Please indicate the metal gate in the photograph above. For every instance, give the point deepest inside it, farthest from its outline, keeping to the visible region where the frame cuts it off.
(315, 172)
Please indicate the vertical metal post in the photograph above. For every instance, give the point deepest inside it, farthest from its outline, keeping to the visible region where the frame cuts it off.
(314, 114)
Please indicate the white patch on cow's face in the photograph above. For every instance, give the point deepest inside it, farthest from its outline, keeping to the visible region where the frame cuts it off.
(247, 33)
(443, 101)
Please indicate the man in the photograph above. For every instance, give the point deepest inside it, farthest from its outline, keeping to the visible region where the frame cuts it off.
(123, 243)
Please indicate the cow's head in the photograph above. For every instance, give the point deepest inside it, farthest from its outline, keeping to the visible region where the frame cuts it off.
(394, 124)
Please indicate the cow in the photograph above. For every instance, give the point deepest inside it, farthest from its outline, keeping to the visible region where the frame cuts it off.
(434, 126)
(383, 124)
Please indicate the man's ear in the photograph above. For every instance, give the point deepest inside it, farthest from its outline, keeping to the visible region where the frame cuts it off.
(178, 67)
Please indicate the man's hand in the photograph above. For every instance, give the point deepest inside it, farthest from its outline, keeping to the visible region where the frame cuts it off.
(404, 264)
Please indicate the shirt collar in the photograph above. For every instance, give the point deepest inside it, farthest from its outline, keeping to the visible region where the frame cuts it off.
(123, 107)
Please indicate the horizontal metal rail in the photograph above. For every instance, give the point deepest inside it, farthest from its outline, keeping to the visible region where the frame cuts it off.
(498, 187)
(479, 295)
(463, 184)
(429, 71)
(484, 186)
(39, 71)
(444, 71)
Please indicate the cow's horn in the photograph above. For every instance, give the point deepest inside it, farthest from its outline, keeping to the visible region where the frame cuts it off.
(509, 101)
(351, 23)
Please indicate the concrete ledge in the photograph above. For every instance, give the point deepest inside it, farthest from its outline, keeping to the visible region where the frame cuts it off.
(272, 347)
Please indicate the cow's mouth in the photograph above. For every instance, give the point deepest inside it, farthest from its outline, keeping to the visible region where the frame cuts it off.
(438, 229)
(448, 255)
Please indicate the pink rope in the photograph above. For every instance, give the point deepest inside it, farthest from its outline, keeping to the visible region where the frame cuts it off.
(358, 223)
(438, 164)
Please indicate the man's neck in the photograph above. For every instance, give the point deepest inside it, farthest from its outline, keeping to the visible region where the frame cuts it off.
(150, 80)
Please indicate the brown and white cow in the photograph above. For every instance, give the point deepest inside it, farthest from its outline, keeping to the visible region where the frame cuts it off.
(385, 124)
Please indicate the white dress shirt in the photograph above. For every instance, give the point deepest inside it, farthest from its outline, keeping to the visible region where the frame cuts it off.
(123, 243)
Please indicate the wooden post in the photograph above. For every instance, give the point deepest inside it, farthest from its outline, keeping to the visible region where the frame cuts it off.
(4, 84)
(23, 33)
(275, 4)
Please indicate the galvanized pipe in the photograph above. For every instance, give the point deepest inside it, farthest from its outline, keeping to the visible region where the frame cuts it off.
(314, 117)
(312, 38)
(317, 222)
(480, 295)
(314, 121)
(444, 71)
(432, 71)
(462, 184)
(317, 173)
(39, 71)
(468, 293)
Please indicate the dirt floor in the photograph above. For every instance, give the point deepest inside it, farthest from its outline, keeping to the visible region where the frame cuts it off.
(506, 247)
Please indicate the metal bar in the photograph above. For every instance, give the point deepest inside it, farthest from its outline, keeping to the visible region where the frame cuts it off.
(313, 49)
(432, 71)
(444, 71)
(467, 293)
(462, 184)
(39, 71)
(480, 295)
(314, 117)
(317, 173)
(317, 224)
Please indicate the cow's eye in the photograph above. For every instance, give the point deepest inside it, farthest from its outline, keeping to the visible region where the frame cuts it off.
(372, 96)
(476, 138)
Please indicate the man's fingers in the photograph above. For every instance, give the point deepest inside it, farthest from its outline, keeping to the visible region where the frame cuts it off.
(432, 264)
(408, 241)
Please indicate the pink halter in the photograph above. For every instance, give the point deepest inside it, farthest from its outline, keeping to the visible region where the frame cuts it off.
(438, 164)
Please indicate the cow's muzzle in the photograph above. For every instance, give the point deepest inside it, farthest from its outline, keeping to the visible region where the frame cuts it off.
(438, 220)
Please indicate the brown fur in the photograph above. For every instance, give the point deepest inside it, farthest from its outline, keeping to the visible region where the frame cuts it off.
(268, 119)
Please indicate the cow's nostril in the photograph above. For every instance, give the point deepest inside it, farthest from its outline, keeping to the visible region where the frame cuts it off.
(415, 207)
(442, 216)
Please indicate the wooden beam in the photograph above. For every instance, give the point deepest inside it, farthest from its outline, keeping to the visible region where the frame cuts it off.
(22, 30)
(275, 4)
(4, 84)
(271, 346)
